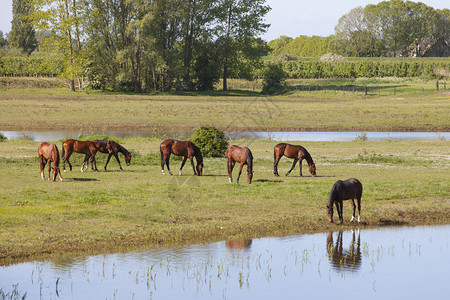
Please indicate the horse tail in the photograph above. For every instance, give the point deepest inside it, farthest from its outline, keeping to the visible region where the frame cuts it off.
(162, 154)
(250, 160)
(63, 151)
(57, 156)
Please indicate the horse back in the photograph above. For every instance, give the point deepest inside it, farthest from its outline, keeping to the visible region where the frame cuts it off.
(49, 151)
(239, 154)
(347, 189)
(291, 151)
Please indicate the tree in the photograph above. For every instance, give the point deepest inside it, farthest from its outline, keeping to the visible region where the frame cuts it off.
(278, 45)
(238, 22)
(273, 79)
(64, 19)
(22, 34)
(3, 41)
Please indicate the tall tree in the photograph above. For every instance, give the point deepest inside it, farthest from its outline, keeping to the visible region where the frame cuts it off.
(22, 34)
(238, 23)
(64, 19)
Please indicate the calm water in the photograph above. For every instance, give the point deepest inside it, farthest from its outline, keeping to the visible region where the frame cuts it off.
(393, 263)
(41, 136)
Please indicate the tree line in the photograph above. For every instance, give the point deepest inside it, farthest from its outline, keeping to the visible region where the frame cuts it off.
(388, 29)
(161, 45)
(135, 45)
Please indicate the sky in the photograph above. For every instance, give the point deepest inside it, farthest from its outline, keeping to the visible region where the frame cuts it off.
(287, 17)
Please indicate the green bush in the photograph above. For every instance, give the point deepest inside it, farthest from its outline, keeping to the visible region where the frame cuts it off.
(2, 137)
(211, 141)
(273, 79)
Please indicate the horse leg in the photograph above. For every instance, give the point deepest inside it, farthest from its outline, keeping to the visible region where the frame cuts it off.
(84, 162)
(341, 212)
(94, 163)
(230, 169)
(107, 160)
(240, 171)
(359, 209)
(66, 158)
(191, 158)
(118, 161)
(300, 166)
(42, 165)
(293, 166)
(352, 203)
(275, 164)
(167, 164)
(182, 165)
(49, 169)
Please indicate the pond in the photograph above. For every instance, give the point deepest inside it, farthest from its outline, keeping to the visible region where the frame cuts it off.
(387, 263)
(310, 136)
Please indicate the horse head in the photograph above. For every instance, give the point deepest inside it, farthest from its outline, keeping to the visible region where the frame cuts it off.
(330, 213)
(199, 169)
(128, 158)
(312, 169)
(250, 176)
(56, 171)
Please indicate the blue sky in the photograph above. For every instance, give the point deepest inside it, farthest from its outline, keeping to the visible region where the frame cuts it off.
(287, 17)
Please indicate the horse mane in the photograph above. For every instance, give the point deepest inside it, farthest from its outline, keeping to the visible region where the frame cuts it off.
(197, 153)
(122, 149)
(308, 157)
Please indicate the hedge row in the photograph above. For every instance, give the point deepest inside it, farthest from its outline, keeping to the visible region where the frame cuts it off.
(31, 66)
(366, 68)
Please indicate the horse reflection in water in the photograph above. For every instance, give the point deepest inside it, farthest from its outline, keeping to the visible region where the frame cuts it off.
(344, 259)
(238, 245)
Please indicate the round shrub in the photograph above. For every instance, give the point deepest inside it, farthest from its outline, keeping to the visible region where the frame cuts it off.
(211, 141)
(273, 79)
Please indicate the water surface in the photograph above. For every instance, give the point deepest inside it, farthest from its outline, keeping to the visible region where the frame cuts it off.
(391, 263)
(310, 136)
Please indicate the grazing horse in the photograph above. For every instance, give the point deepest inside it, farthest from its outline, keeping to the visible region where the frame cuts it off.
(242, 155)
(88, 148)
(49, 153)
(349, 189)
(297, 152)
(112, 148)
(187, 149)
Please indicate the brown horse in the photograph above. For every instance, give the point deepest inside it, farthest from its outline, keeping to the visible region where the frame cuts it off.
(187, 149)
(88, 148)
(111, 148)
(49, 153)
(297, 152)
(242, 155)
(349, 189)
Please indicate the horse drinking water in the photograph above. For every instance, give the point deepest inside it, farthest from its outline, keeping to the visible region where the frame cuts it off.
(49, 153)
(297, 152)
(349, 189)
(88, 148)
(242, 155)
(187, 149)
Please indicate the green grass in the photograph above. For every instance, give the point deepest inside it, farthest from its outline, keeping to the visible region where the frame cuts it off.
(405, 182)
(389, 106)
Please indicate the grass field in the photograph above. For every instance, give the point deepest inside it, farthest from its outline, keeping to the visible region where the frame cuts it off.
(405, 183)
(391, 105)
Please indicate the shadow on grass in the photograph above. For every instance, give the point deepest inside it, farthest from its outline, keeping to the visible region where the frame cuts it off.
(80, 179)
(267, 180)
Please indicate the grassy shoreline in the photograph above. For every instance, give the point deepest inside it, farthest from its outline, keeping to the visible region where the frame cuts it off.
(405, 183)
